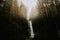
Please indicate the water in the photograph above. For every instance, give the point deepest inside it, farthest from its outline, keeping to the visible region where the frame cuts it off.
(31, 29)
(29, 4)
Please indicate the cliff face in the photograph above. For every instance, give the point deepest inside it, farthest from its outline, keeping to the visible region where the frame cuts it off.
(18, 11)
(22, 11)
(43, 7)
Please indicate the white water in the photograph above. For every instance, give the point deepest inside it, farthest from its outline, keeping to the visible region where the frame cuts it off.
(29, 4)
(31, 28)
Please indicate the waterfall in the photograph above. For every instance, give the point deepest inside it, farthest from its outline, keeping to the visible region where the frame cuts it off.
(29, 4)
(31, 29)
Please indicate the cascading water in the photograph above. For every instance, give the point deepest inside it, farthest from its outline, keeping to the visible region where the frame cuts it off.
(29, 8)
(29, 4)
